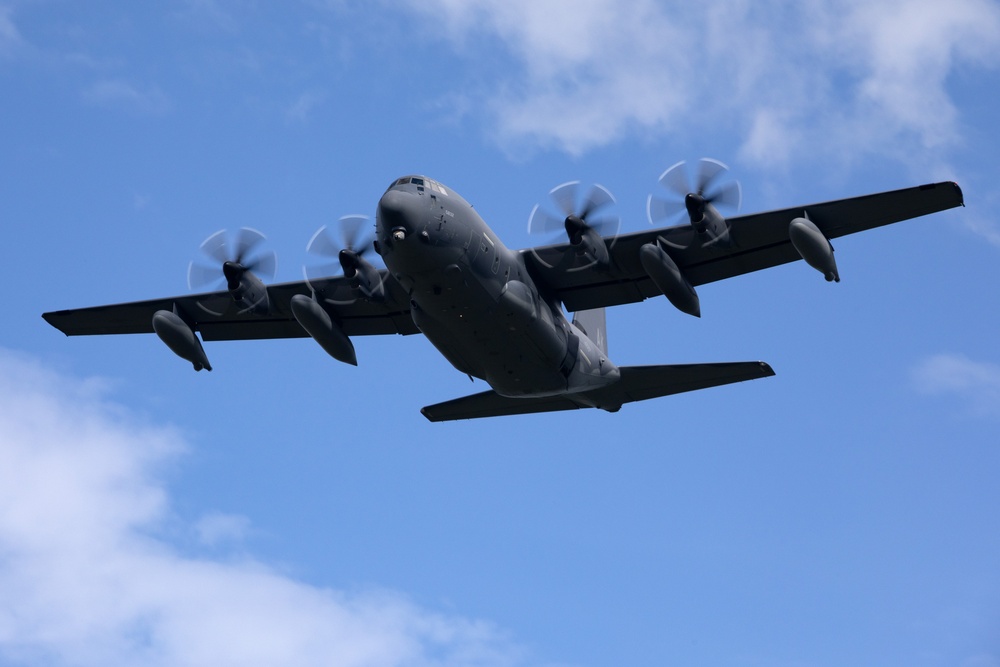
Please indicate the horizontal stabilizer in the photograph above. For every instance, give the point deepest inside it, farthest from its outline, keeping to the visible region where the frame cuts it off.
(492, 404)
(637, 383)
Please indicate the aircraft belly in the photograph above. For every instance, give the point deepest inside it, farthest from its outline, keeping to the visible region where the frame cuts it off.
(467, 324)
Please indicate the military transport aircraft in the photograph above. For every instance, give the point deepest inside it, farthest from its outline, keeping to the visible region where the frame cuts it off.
(498, 314)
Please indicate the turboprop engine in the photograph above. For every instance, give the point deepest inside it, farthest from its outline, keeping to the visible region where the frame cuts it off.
(585, 227)
(243, 261)
(814, 247)
(249, 292)
(706, 219)
(587, 240)
(699, 197)
(348, 251)
(181, 338)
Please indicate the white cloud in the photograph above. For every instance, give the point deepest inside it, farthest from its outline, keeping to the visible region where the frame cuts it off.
(828, 78)
(117, 94)
(976, 383)
(588, 71)
(86, 580)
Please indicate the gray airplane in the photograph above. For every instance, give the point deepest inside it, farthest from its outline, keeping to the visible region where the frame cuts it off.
(498, 314)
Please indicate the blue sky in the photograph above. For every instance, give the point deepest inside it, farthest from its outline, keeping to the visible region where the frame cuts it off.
(287, 509)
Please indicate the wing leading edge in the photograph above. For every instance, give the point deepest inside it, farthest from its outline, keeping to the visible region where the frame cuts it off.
(758, 241)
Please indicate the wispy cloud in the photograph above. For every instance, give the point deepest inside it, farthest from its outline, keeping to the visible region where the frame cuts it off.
(217, 528)
(10, 37)
(976, 383)
(984, 228)
(845, 78)
(87, 579)
(120, 95)
(304, 105)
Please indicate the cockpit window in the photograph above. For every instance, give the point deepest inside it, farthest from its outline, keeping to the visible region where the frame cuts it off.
(420, 182)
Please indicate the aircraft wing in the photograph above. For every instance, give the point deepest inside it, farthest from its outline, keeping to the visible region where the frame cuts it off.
(217, 317)
(757, 241)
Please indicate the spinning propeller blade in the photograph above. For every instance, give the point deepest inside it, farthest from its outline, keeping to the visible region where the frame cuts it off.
(227, 257)
(579, 218)
(710, 186)
(345, 256)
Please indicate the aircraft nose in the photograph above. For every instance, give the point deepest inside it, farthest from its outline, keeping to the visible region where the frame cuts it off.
(399, 210)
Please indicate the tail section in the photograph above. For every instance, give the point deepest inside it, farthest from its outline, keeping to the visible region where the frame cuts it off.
(638, 383)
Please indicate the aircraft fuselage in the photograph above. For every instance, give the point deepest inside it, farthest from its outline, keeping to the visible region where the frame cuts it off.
(475, 300)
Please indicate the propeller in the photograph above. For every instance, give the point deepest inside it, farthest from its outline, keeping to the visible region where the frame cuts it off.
(580, 222)
(227, 257)
(711, 187)
(345, 255)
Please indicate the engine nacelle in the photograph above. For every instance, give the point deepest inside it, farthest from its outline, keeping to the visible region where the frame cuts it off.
(180, 338)
(248, 291)
(707, 221)
(664, 273)
(587, 242)
(814, 247)
(318, 324)
(363, 276)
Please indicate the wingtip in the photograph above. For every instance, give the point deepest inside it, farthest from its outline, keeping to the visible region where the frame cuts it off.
(51, 317)
(958, 190)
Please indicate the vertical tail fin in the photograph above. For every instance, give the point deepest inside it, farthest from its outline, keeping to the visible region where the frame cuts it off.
(594, 324)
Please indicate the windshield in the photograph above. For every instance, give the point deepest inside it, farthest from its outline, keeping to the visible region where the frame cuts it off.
(421, 182)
